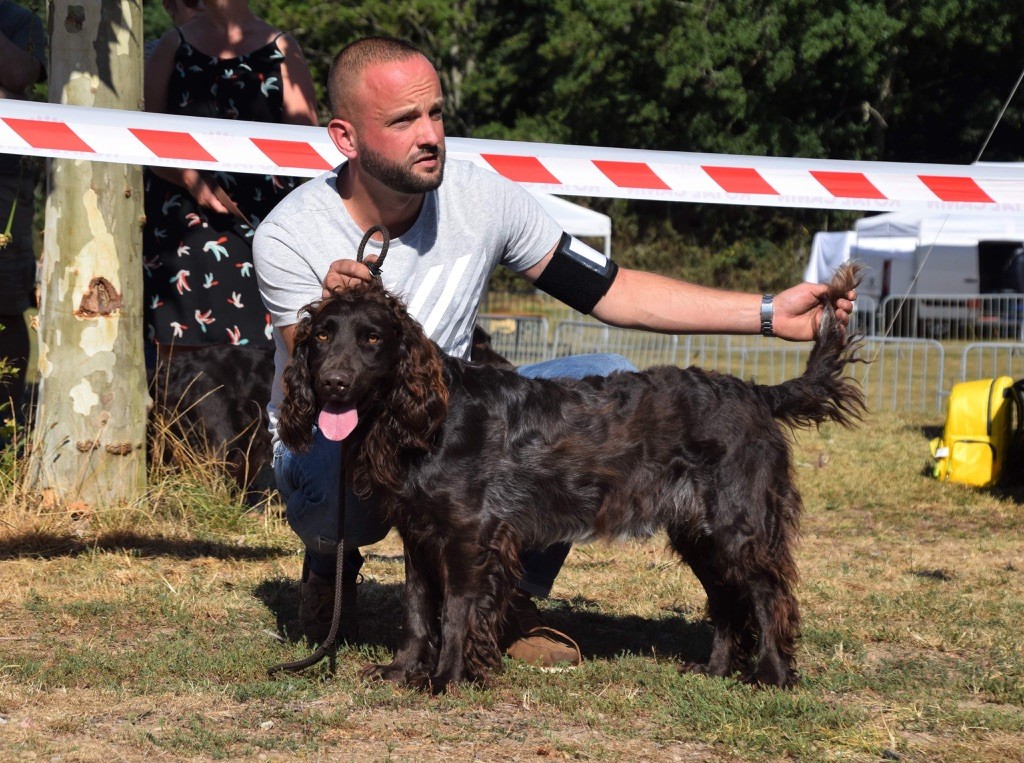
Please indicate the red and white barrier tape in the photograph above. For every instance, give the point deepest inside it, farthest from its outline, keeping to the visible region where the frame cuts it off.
(74, 132)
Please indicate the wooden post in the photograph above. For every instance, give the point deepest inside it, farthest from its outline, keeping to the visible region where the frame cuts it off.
(90, 426)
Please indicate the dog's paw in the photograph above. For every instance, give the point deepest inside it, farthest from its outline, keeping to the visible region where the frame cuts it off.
(762, 678)
(700, 669)
(395, 673)
(445, 681)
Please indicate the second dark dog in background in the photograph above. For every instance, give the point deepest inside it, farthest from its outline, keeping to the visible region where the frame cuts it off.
(210, 405)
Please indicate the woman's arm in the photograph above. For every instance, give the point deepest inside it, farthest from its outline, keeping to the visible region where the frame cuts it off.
(296, 84)
(158, 72)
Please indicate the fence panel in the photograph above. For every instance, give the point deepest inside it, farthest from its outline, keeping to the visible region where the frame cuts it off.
(643, 348)
(864, 319)
(905, 373)
(902, 374)
(769, 361)
(964, 318)
(522, 339)
(983, 360)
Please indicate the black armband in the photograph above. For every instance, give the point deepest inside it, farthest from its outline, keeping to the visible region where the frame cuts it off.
(577, 274)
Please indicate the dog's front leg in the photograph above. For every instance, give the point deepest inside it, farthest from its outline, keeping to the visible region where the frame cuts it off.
(416, 653)
(451, 666)
(477, 583)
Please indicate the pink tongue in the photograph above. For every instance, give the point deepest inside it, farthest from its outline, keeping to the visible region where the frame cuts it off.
(337, 422)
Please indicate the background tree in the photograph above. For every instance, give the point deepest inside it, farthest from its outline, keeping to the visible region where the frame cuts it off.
(89, 438)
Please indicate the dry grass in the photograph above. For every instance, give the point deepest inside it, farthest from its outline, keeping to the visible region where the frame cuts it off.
(145, 633)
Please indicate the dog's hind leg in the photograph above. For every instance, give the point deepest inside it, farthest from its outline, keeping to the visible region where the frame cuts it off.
(727, 616)
(770, 578)
(777, 620)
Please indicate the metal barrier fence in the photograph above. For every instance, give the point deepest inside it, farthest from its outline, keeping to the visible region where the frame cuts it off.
(522, 339)
(964, 318)
(981, 336)
(902, 374)
(864, 319)
(982, 360)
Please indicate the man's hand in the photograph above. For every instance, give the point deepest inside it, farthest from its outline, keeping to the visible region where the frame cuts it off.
(798, 310)
(344, 274)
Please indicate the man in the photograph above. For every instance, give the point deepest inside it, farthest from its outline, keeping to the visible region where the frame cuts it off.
(23, 52)
(446, 239)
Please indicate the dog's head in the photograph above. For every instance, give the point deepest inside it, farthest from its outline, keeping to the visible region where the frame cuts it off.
(359, 357)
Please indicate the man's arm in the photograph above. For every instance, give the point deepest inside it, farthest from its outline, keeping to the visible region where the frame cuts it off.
(656, 303)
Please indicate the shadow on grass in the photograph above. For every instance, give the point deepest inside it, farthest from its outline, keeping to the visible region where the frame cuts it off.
(46, 545)
(599, 635)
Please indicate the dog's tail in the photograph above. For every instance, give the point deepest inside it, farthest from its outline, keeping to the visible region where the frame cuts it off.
(823, 393)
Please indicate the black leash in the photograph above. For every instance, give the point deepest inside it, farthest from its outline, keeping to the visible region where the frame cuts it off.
(329, 647)
(379, 262)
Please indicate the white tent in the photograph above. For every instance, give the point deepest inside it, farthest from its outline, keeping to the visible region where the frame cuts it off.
(906, 252)
(577, 220)
(829, 250)
(940, 227)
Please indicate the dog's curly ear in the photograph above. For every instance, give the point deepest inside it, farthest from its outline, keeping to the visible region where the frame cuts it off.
(298, 410)
(419, 398)
(416, 405)
(419, 401)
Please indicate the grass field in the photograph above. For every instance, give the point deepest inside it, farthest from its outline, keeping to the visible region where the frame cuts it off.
(145, 632)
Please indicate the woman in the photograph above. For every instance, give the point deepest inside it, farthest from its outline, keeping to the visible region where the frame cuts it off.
(197, 247)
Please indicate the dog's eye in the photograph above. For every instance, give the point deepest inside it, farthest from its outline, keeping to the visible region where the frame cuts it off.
(372, 338)
(321, 336)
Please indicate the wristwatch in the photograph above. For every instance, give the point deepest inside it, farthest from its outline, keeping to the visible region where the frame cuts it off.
(767, 313)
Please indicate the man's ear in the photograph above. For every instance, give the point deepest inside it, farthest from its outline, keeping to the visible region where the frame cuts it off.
(343, 136)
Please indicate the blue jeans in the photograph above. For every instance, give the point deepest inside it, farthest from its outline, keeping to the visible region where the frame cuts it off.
(309, 484)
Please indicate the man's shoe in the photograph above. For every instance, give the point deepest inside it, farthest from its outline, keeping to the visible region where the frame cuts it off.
(527, 638)
(316, 608)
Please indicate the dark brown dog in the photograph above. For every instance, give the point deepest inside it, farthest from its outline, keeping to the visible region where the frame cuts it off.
(473, 463)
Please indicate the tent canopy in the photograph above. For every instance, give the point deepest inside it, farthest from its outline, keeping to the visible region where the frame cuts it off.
(577, 220)
(938, 227)
(897, 235)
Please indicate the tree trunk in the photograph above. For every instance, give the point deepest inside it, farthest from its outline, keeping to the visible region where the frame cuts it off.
(90, 425)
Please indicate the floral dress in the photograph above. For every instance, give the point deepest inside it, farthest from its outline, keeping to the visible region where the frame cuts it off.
(198, 276)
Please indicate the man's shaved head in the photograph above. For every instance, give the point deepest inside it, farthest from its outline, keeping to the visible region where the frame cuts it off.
(353, 60)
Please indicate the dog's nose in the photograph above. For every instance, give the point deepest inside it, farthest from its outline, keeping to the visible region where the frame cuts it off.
(334, 383)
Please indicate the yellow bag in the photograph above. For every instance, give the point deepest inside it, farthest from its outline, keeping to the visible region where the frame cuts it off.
(982, 426)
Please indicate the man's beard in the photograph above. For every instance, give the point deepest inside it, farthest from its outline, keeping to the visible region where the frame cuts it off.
(398, 177)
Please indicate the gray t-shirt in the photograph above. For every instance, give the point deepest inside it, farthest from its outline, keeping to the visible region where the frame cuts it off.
(475, 221)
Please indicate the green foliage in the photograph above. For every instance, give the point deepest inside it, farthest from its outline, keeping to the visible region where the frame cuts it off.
(841, 79)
